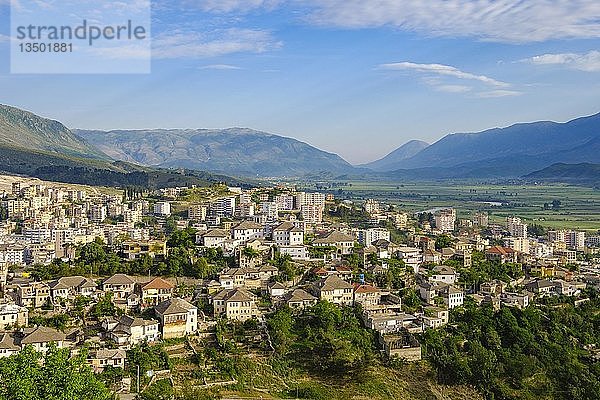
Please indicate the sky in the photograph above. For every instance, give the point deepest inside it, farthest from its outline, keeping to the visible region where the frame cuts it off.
(355, 77)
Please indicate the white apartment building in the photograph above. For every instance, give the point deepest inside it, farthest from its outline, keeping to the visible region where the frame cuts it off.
(223, 207)
(270, 209)
(285, 202)
(197, 212)
(368, 236)
(445, 219)
(312, 214)
(97, 213)
(162, 208)
(519, 244)
(516, 227)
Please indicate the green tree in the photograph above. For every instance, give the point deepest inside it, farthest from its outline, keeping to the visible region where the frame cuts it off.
(59, 377)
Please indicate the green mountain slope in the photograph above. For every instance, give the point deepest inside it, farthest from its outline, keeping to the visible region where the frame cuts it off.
(23, 129)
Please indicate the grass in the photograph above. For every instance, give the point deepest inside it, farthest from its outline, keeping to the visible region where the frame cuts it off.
(580, 206)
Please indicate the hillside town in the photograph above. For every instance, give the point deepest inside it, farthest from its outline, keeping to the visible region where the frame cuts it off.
(108, 273)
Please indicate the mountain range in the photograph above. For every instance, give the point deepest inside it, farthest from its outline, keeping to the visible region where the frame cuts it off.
(41, 147)
(237, 151)
(508, 152)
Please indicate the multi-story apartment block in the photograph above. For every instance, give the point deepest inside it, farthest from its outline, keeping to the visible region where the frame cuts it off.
(162, 208)
(223, 207)
(368, 236)
(371, 206)
(445, 219)
(197, 212)
(312, 214)
(285, 202)
(516, 227)
(481, 219)
(520, 244)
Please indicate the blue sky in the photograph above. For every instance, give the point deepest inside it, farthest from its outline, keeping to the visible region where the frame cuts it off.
(354, 77)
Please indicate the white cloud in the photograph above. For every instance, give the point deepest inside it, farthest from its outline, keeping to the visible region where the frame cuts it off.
(452, 88)
(4, 38)
(589, 62)
(444, 70)
(226, 6)
(189, 44)
(495, 20)
(221, 67)
(499, 93)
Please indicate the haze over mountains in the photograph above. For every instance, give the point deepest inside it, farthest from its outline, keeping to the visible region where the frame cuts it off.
(30, 144)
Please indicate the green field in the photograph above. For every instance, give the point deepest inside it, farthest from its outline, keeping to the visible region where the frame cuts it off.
(579, 208)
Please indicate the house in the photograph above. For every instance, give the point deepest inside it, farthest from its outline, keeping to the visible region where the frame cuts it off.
(428, 291)
(129, 331)
(541, 287)
(71, 287)
(367, 296)
(493, 288)
(401, 345)
(334, 290)
(103, 358)
(444, 274)
(156, 291)
(299, 252)
(342, 242)
(411, 256)
(177, 317)
(511, 299)
(392, 322)
(276, 289)
(432, 256)
(288, 234)
(132, 249)
(246, 231)
(213, 238)
(501, 254)
(120, 285)
(33, 294)
(41, 337)
(13, 315)
(300, 299)
(434, 317)
(237, 304)
(8, 345)
(248, 277)
(453, 297)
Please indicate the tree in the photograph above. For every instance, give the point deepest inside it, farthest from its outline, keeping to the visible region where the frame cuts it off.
(105, 307)
(59, 377)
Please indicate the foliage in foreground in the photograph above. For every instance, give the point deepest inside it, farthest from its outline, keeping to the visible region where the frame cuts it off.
(28, 375)
(533, 353)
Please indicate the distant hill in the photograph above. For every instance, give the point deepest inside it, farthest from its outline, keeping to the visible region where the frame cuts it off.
(582, 173)
(392, 160)
(507, 152)
(23, 129)
(42, 148)
(236, 151)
